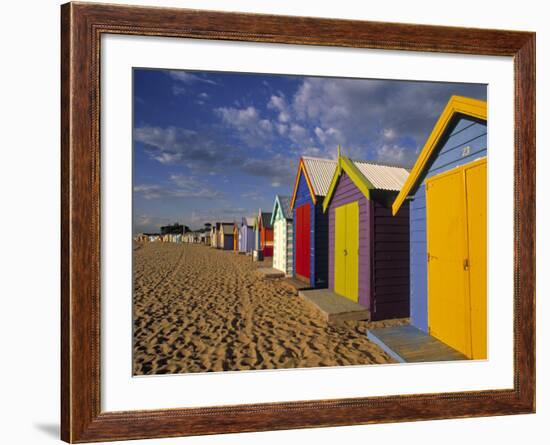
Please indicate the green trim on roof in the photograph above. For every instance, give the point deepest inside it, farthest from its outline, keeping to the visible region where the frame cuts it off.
(345, 164)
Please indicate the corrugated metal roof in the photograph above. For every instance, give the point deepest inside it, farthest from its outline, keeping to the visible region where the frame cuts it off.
(285, 206)
(383, 177)
(320, 172)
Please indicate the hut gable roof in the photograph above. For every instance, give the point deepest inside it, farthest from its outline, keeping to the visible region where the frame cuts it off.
(248, 221)
(367, 175)
(456, 107)
(265, 220)
(262, 220)
(318, 173)
(282, 203)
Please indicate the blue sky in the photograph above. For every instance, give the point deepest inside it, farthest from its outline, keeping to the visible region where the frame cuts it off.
(213, 146)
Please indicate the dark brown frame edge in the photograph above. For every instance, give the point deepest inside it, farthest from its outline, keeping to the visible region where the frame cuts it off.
(81, 28)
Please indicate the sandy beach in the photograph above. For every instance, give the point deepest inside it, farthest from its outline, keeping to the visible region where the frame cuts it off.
(197, 309)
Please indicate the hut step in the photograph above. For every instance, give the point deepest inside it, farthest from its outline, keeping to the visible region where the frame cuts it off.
(334, 308)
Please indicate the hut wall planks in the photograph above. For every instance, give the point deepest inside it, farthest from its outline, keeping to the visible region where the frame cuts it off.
(390, 265)
(320, 245)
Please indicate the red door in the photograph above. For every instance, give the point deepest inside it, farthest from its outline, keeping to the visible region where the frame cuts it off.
(303, 235)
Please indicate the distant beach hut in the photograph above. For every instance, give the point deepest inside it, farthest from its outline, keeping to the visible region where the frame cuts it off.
(281, 220)
(310, 223)
(264, 231)
(235, 237)
(219, 236)
(204, 237)
(214, 235)
(142, 238)
(246, 235)
(256, 234)
(368, 247)
(226, 236)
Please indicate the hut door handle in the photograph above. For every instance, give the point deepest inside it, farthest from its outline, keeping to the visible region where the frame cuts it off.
(466, 264)
(345, 252)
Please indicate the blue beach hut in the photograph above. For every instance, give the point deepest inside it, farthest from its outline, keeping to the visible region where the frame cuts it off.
(447, 192)
(310, 223)
(246, 235)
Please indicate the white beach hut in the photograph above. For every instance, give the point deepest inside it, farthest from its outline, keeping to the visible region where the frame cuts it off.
(281, 220)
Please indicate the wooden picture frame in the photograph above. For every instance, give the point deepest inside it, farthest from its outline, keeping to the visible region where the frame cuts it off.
(82, 26)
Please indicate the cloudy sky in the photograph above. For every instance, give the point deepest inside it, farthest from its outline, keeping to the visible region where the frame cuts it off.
(211, 146)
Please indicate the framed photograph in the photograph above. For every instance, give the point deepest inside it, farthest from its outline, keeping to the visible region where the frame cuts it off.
(275, 222)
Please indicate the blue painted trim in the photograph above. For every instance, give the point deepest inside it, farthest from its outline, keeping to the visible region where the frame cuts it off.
(312, 245)
(373, 338)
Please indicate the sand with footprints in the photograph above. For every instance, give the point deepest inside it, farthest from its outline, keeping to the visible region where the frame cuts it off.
(198, 309)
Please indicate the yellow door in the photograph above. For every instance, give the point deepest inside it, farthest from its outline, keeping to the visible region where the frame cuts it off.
(447, 283)
(346, 251)
(476, 198)
(339, 249)
(457, 258)
(352, 251)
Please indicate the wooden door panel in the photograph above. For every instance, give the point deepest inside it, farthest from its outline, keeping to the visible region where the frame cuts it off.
(448, 313)
(476, 198)
(303, 234)
(352, 251)
(346, 251)
(339, 249)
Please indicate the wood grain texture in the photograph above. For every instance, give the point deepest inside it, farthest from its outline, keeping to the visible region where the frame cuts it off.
(82, 26)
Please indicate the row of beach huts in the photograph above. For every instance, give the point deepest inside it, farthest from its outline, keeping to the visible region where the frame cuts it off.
(399, 242)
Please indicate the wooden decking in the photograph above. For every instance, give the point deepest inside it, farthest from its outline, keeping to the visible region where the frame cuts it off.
(297, 284)
(334, 308)
(407, 344)
(270, 272)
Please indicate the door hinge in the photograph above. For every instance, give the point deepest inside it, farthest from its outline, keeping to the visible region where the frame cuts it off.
(466, 264)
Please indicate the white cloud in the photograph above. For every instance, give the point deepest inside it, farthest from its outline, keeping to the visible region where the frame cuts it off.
(252, 129)
(277, 103)
(389, 133)
(175, 145)
(284, 117)
(253, 195)
(331, 137)
(189, 78)
(313, 151)
(178, 90)
(282, 129)
(395, 154)
(145, 223)
(178, 186)
(299, 135)
(279, 169)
